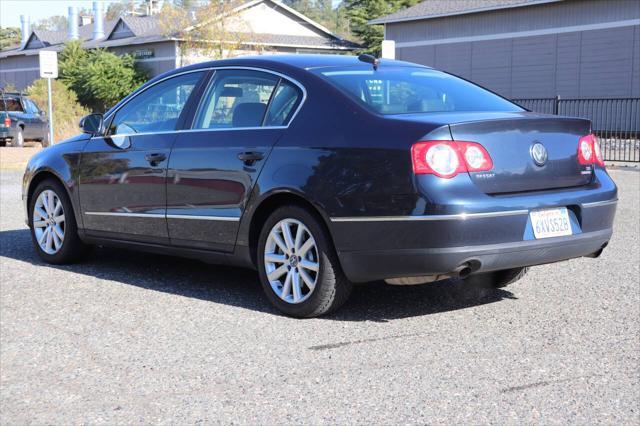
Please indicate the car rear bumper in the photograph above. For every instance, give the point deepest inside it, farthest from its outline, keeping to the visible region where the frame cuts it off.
(386, 248)
(362, 266)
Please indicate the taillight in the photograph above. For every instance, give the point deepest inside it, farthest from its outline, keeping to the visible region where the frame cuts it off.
(598, 152)
(7, 122)
(589, 152)
(448, 158)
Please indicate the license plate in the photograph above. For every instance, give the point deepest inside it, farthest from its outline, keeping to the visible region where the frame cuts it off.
(550, 223)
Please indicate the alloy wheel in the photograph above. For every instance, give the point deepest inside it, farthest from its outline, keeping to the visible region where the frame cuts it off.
(291, 261)
(49, 222)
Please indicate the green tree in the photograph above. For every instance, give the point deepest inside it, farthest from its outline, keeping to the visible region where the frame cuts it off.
(322, 11)
(99, 78)
(360, 12)
(52, 23)
(115, 10)
(9, 36)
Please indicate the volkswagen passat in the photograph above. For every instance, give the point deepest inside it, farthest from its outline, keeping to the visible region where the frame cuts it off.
(321, 171)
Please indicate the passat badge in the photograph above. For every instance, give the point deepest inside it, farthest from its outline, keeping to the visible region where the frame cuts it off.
(539, 154)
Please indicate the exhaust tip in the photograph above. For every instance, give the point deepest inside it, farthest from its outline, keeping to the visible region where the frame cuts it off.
(464, 272)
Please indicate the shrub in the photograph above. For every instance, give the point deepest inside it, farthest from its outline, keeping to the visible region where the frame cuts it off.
(67, 112)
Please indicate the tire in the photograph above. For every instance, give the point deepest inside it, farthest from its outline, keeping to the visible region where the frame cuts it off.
(19, 139)
(497, 279)
(331, 288)
(3, 142)
(45, 140)
(70, 247)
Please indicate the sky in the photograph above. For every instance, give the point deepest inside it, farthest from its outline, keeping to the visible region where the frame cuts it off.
(10, 10)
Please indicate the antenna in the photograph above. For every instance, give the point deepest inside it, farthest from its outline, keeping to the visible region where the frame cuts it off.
(370, 59)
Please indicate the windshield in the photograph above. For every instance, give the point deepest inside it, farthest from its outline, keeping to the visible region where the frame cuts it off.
(407, 90)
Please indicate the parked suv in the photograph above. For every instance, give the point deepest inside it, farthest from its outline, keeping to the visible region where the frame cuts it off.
(21, 120)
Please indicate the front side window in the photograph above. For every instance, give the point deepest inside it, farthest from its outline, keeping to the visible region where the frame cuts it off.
(410, 90)
(157, 109)
(31, 107)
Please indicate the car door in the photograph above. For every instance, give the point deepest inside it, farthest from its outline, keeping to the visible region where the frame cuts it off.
(38, 126)
(215, 164)
(123, 174)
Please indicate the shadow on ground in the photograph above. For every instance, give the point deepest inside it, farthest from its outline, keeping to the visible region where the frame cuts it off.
(241, 288)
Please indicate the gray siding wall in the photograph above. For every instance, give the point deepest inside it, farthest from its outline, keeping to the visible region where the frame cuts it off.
(27, 66)
(19, 71)
(589, 64)
(548, 15)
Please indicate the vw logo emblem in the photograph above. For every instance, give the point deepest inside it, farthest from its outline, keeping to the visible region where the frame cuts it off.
(539, 154)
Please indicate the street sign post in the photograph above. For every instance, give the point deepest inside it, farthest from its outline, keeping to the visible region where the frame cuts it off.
(49, 70)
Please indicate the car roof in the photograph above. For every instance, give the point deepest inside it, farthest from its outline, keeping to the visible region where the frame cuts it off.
(305, 61)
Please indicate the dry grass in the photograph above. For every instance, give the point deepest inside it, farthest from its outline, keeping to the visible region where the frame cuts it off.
(14, 159)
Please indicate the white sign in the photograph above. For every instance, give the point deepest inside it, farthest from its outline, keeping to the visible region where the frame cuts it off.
(48, 64)
(388, 49)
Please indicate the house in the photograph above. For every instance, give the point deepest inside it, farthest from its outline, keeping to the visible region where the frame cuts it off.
(271, 27)
(526, 48)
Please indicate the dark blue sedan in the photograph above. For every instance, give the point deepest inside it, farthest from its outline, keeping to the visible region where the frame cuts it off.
(321, 171)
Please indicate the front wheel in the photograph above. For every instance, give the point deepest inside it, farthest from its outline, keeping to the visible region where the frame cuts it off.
(298, 266)
(53, 226)
(497, 279)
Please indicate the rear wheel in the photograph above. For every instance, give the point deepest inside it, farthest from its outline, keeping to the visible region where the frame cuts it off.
(53, 226)
(19, 140)
(497, 279)
(298, 266)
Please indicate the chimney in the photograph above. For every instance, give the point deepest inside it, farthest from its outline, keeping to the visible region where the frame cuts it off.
(25, 29)
(85, 20)
(73, 23)
(98, 21)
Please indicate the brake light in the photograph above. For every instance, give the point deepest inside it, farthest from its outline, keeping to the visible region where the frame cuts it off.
(7, 122)
(446, 159)
(589, 152)
(598, 152)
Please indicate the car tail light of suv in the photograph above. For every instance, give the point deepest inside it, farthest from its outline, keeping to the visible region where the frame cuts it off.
(589, 151)
(7, 122)
(446, 159)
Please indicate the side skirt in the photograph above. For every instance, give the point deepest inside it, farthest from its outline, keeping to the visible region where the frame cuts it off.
(239, 258)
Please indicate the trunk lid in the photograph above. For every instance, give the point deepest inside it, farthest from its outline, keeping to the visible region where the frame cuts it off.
(509, 138)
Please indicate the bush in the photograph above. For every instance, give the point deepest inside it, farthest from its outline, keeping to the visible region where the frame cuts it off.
(67, 112)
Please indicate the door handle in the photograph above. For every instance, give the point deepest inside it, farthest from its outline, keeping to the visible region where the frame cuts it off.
(251, 157)
(155, 158)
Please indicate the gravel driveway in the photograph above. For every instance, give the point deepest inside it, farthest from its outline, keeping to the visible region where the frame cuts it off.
(137, 338)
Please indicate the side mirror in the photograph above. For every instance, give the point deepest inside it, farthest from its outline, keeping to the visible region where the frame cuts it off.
(92, 124)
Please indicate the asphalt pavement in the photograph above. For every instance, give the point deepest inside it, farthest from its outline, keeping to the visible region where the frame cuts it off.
(135, 338)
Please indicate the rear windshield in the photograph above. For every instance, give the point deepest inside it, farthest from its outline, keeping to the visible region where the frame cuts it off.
(407, 90)
(11, 104)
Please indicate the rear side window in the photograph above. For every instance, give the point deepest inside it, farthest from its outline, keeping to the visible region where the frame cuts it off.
(247, 98)
(235, 99)
(407, 90)
(156, 109)
(283, 105)
(11, 105)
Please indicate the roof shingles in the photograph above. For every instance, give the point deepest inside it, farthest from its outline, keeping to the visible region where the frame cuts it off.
(437, 8)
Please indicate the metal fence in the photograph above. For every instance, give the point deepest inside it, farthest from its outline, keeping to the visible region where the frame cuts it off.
(616, 121)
